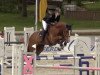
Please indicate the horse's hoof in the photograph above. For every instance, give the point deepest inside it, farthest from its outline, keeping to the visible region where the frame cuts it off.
(65, 44)
(59, 49)
(61, 45)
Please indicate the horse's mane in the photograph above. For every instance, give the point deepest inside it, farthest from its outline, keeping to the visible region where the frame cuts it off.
(59, 24)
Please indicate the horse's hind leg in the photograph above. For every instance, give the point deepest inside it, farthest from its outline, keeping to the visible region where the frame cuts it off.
(39, 49)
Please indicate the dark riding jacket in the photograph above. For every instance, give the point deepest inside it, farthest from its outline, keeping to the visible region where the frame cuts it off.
(52, 19)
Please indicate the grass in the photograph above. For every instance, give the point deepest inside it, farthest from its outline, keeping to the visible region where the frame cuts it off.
(8, 20)
(85, 24)
(93, 6)
(82, 24)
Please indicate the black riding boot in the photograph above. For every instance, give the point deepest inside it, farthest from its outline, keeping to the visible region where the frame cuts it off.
(43, 35)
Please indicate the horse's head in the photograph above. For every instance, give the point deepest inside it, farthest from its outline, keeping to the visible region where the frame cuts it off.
(67, 33)
(66, 29)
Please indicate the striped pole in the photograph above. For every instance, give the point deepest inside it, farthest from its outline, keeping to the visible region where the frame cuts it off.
(63, 58)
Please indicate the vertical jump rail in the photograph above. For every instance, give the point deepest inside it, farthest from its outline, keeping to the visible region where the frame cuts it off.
(27, 33)
(97, 54)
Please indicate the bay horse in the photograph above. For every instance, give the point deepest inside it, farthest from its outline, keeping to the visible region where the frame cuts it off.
(57, 34)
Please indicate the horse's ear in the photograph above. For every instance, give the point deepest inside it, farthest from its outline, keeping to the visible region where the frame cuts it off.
(69, 26)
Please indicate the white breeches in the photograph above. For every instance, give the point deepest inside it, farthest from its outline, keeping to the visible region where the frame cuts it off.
(44, 25)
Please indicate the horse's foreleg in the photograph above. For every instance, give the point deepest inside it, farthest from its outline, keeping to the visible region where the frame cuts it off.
(39, 49)
(30, 48)
(65, 43)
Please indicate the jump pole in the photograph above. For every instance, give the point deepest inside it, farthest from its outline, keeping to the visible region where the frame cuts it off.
(67, 67)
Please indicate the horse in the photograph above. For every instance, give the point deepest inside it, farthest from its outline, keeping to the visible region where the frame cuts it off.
(58, 33)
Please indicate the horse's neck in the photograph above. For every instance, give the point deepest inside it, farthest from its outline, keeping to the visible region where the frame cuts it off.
(54, 32)
(49, 38)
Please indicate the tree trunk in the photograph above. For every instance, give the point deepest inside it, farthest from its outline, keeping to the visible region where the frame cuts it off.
(19, 5)
(24, 8)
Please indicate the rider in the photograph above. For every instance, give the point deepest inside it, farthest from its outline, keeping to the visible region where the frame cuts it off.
(49, 19)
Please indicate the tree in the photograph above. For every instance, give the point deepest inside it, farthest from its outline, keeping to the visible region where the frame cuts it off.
(69, 1)
(78, 2)
(8, 6)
